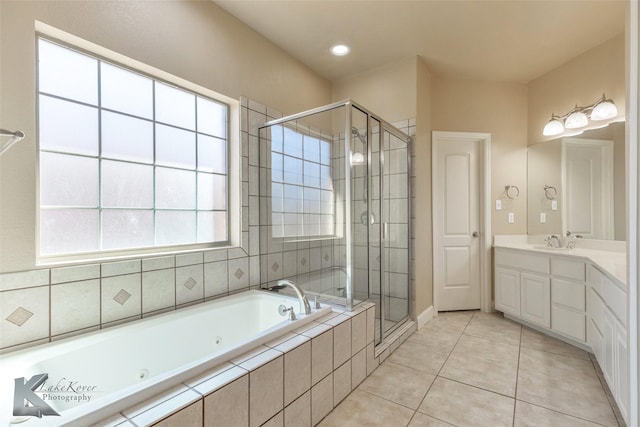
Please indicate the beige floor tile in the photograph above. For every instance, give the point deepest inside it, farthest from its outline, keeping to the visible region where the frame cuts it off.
(454, 321)
(420, 357)
(399, 384)
(565, 395)
(437, 337)
(422, 420)
(494, 326)
(539, 341)
(484, 363)
(528, 415)
(479, 348)
(365, 409)
(557, 365)
(464, 405)
(480, 373)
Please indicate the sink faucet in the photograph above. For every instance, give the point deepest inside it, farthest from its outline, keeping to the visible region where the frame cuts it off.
(550, 241)
(304, 302)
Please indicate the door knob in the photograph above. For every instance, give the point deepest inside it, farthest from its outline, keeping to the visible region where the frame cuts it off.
(476, 234)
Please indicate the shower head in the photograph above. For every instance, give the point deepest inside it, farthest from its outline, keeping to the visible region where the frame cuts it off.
(355, 132)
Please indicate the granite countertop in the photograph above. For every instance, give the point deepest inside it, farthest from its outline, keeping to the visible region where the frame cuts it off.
(609, 256)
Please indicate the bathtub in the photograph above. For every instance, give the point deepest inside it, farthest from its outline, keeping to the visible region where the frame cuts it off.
(93, 376)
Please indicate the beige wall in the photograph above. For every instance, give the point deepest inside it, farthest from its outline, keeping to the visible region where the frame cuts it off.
(580, 81)
(194, 40)
(389, 91)
(501, 110)
(421, 209)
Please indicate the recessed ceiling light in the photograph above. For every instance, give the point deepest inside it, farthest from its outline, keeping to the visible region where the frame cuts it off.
(340, 50)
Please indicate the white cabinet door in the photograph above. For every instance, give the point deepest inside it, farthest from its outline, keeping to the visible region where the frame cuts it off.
(622, 370)
(507, 291)
(596, 341)
(535, 299)
(608, 350)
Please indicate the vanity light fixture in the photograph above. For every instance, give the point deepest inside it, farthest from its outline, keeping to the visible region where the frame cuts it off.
(578, 117)
(340, 50)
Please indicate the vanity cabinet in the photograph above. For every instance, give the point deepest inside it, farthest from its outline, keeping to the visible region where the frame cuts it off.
(522, 286)
(607, 334)
(572, 298)
(542, 290)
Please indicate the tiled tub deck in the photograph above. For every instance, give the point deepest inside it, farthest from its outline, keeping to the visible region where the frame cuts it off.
(295, 380)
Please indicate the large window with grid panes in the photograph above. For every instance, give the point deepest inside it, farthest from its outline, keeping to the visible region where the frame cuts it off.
(126, 160)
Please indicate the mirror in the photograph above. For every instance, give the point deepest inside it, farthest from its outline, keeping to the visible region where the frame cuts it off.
(576, 184)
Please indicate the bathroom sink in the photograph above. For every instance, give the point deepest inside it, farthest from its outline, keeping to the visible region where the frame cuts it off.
(555, 250)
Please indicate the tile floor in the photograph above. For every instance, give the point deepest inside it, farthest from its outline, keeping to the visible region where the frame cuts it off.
(479, 369)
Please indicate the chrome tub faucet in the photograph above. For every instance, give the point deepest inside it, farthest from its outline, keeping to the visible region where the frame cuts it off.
(301, 296)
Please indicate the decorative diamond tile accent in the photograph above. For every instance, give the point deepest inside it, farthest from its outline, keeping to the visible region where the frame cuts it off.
(122, 296)
(326, 257)
(303, 261)
(190, 283)
(275, 266)
(19, 316)
(239, 273)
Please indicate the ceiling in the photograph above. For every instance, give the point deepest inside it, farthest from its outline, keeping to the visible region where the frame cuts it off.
(505, 40)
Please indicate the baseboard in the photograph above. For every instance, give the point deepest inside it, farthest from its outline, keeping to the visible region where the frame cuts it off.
(424, 317)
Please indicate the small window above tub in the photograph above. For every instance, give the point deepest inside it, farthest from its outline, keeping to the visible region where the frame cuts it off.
(129, 161)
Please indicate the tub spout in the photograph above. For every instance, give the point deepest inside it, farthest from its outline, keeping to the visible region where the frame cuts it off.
(301, 296)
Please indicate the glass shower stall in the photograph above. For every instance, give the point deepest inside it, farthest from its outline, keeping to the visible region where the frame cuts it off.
(335, 209)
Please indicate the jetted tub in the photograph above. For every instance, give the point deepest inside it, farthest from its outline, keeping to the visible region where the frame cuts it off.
(93, 376)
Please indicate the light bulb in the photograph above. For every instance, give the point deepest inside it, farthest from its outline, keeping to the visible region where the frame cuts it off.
(340, 50)
(604, 110)
(577, 119)
(553, 127)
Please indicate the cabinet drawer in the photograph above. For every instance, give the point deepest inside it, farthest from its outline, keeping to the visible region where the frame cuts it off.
(568, 322)
(569, 269)
(571, 294)
(522, 261)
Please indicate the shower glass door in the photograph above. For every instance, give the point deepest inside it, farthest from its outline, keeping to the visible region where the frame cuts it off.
(395, 230)
(388, 226)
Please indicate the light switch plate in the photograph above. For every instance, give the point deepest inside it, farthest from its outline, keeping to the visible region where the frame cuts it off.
(498, 205)
(554, 205)
(512, 218)
(543, 217)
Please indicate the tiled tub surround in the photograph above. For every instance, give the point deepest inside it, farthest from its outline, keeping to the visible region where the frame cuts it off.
(295, 380)
(138, 360)
(48, 304)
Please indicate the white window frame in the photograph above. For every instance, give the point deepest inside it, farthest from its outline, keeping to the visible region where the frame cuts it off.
(234, 186)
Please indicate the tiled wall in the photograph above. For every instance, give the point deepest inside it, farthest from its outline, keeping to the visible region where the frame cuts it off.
(47, 304)
(295, 380)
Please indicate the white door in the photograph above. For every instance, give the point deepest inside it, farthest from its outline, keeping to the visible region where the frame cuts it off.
(588, 175)
(456, 223)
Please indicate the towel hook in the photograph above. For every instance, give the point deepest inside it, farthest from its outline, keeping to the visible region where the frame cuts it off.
(550, 192)
(511, 191)
(15, 137)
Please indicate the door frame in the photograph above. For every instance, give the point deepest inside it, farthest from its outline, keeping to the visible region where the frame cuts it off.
(484, 169)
